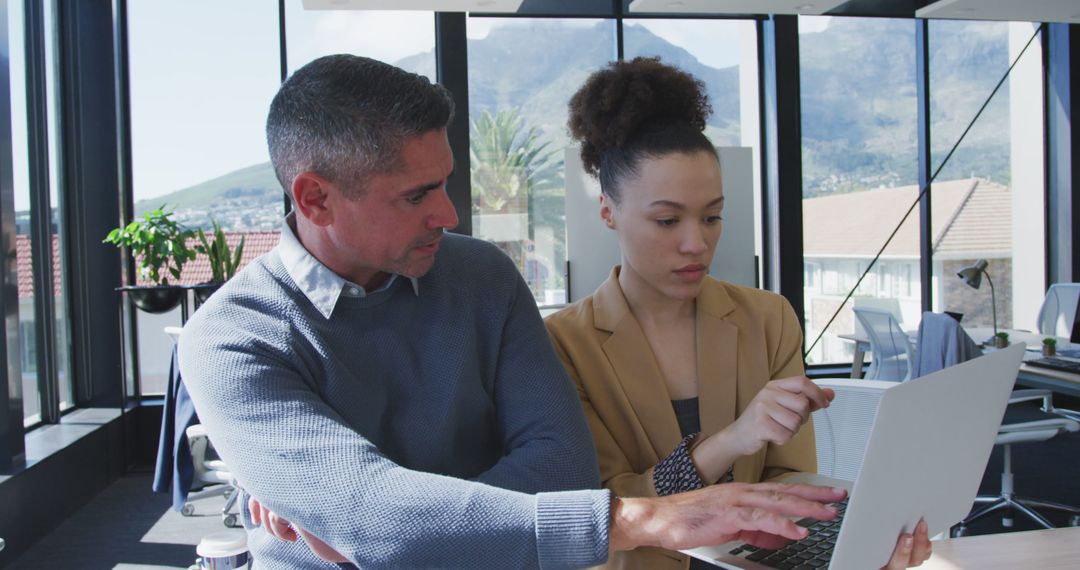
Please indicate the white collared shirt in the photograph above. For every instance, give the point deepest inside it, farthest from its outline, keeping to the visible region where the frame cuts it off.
(318, 282)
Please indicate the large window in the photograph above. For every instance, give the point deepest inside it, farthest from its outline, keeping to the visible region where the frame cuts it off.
(404, 39)
(860, 174)
(519, 86)
(198, 110)
(991, 201)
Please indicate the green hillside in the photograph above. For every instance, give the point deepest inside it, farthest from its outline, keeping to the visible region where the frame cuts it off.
(256, 183)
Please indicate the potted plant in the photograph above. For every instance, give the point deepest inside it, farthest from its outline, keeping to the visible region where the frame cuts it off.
(1001, 339)
(1049, 347)
(223, 263)
(159, 245)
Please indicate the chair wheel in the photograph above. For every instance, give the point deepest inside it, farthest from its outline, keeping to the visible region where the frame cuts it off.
(958, 531)
(188, 510)
(230, 521)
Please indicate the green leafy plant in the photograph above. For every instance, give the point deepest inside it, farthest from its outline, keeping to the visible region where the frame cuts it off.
(158, 243)
(510, 163)
(1003, 335)
(1050, 342)
(223, 263)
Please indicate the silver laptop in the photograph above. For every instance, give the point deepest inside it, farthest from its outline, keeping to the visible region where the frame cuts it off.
(925, 458)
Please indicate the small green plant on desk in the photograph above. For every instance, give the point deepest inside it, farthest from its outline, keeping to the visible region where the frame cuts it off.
(223, 262)
(1001, 339)
(1049, 347)
(159, 244)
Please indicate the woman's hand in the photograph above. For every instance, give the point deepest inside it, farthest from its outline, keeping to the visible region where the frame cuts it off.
(283, 530)
(911, 549)
(776, 413)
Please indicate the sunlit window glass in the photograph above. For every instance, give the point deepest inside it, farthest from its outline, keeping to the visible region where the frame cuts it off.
(519, 87)
(405, 39)
(860, 175)
(991, 203)
(198, 114)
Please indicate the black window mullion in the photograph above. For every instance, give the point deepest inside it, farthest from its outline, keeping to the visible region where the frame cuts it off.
(782, 156)
(40, 211)
(922, 82)
(283, 57)
(1063, 152)
(452, 69)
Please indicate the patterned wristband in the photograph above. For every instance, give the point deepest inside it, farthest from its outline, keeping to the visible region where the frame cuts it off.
(676, 472)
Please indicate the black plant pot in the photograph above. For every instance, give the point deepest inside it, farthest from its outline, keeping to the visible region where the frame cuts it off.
(203, 291)
(157, 299)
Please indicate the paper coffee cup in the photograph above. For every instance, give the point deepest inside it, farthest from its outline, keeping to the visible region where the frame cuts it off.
(226, 550)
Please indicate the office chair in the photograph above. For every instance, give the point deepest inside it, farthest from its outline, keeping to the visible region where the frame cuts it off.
(889, 344)
(1024, 432)
(211, 476)
(1059, 310)
(943, 343)
(842, 430)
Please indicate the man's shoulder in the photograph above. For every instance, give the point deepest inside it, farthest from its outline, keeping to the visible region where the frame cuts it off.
(257, 292)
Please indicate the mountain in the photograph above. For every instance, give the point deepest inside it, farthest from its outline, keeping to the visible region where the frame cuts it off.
(248, 198)
(858, 103)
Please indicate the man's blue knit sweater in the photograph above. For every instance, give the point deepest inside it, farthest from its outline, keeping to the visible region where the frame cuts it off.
(434, 428)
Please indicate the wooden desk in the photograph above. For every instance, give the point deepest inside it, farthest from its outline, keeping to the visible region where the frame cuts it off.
(1056, 549)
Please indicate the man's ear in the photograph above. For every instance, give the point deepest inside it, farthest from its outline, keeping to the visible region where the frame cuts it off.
(606, 212)
(311, 197)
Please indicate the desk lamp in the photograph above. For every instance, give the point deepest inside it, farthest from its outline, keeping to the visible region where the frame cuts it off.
(972, 277)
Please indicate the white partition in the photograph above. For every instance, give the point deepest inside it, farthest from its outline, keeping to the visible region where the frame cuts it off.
(593, 249)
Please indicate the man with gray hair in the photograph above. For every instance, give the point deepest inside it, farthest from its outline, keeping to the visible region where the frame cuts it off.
(402, 409)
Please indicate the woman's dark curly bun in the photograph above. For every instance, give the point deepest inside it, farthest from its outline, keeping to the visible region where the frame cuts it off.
(637, 109)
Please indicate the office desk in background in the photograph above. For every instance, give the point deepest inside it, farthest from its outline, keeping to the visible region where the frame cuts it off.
(1029, 376)
(1054, 549)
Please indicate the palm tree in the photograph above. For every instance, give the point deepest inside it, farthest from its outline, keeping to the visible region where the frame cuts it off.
(510, 164)
(517, 177)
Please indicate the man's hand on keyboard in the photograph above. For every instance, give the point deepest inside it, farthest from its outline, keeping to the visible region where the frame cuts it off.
(755, 513)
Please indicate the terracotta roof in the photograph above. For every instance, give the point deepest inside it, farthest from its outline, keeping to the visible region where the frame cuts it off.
(256, 243)
(197, 271)
(969, 218)
(25, 266)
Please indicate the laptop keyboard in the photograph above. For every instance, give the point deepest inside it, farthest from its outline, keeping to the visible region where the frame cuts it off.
(1056, 364)
(810, 553)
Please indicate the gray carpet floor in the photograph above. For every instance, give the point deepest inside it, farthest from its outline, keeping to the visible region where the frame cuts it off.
(126, 527)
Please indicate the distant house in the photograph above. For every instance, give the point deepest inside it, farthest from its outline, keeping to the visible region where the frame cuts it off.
(970, 219)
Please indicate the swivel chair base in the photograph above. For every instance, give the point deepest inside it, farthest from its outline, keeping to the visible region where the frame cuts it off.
(1011, 503)
(231, 493)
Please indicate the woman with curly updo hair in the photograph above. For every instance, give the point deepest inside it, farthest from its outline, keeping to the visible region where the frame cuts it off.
(686, 381)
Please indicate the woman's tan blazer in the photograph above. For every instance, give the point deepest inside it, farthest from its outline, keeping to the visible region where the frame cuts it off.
(745, 338)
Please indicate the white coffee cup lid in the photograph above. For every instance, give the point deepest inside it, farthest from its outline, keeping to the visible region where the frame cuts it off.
(221, 544)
